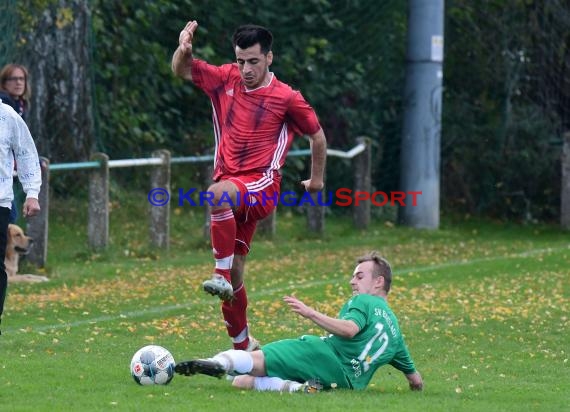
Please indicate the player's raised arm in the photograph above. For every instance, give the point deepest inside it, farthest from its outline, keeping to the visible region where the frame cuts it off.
(182, 58)
(339, 327)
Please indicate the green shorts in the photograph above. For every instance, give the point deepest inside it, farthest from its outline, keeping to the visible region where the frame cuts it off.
(303, 359)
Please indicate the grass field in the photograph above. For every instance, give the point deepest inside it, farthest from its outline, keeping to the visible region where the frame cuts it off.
(484, 307)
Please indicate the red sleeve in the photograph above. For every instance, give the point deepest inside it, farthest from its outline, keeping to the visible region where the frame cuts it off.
(209, 77)
(301, 116)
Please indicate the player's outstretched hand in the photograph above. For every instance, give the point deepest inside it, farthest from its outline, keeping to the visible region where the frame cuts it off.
(186, 36)
(298, 307)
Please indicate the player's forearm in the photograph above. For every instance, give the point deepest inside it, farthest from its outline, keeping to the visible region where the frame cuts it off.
(182, 64)
(338, 327)
(318, 156)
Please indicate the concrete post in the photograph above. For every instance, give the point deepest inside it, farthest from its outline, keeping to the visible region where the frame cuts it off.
(420, 152)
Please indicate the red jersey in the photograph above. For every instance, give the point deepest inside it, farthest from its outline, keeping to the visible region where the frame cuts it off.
(253, 129)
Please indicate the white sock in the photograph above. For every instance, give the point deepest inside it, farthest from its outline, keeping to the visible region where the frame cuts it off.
(243, 335)
(235, 361)
(266, 383)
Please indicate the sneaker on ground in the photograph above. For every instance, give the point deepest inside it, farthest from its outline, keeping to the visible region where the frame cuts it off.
(219, 286)
(202, 366)
(311, 386)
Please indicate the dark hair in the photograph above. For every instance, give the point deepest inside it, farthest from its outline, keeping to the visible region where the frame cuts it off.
(382, 267)
(249, 35)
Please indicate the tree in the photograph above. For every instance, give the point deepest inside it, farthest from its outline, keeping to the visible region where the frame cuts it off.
(56, 37)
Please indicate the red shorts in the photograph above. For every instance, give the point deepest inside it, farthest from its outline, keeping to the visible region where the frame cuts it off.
(258, 197)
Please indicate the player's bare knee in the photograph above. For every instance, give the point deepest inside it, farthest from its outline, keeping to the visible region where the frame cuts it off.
(222, 195)
(243, 382)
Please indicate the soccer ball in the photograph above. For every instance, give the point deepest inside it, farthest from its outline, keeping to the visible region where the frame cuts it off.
(152, 365)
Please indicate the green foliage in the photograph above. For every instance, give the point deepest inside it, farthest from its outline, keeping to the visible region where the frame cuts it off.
(342, 73)
(8, 28)
(138, 100)
(503, 108)
(505, 76)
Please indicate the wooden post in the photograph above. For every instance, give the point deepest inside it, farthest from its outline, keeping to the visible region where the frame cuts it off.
(37, 226)
(316, 214)
(362, 164)
(565, 186)
(266, 226)
(98, 223)
(160, 210)
(208, 173)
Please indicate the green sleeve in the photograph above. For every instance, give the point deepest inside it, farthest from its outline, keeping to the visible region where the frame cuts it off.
(355, 312)
(403, 361)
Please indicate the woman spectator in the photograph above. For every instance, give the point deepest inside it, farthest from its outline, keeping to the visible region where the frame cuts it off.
(14, 88)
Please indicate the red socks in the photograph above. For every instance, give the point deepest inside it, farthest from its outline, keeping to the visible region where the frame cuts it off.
(236, 320)
(223, 237)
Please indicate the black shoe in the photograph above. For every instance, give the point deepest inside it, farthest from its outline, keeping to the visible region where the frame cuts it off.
(202, 366)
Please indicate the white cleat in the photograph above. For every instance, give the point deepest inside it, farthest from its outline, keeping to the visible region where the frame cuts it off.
(219, 286)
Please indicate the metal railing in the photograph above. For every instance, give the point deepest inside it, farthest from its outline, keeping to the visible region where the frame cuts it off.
(98, 203)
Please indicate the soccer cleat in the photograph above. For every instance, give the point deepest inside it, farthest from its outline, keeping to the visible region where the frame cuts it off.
(311, 386)
(253, 344)
(219, 286)
(202, 366)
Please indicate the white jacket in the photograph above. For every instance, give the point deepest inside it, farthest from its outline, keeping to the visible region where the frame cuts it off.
(16, 142)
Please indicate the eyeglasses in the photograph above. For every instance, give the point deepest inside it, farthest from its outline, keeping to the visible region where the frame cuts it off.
(15, 79)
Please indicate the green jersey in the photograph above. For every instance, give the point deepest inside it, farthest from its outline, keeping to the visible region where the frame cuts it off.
(378, 342)
(340, 362)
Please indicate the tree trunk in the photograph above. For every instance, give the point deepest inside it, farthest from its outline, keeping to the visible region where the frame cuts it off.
(57, 55)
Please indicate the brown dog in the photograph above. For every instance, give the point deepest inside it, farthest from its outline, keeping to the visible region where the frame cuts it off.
(18, 244)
